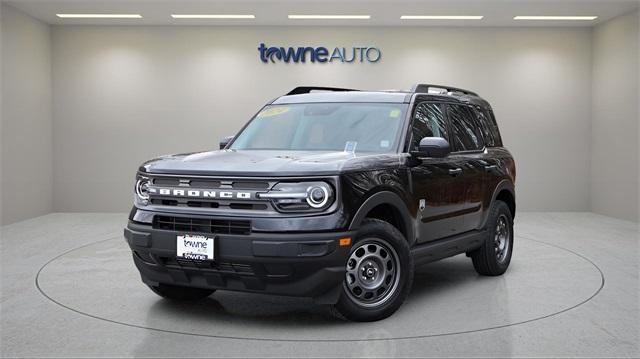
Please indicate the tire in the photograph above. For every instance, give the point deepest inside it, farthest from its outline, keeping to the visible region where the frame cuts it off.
(381, 257)
(180, 293)
(494, 256)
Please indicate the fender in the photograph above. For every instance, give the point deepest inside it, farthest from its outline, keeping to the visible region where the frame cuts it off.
(390, 198)
(505, 184)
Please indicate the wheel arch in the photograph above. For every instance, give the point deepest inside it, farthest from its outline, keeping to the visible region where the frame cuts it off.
(386, 201)
(505, 192)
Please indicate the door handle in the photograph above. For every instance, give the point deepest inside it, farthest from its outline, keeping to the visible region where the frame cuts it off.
(490, 168)
(455, 171)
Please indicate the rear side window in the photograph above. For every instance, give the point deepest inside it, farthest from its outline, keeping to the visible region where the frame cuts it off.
(489, 132)
(428, 121)
(493, 126)
(465, 127)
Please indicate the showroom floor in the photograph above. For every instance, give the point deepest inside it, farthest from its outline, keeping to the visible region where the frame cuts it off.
(69, 288)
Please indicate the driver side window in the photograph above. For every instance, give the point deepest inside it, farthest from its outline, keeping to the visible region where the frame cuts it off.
(428, 121)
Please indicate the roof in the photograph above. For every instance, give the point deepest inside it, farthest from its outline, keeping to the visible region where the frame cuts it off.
(346, 96)
(376, 97)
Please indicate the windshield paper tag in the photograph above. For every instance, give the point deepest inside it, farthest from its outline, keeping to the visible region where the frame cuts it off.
(273, 111)
(350, 146)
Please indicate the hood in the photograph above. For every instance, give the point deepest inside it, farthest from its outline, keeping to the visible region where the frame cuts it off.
(268, 163)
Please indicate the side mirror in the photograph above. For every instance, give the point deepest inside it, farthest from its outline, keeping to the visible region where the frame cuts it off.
(436, 147)
(225, 141)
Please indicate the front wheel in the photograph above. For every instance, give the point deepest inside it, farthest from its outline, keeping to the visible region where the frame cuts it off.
(494, 256)
(180, 293)
(379, 273)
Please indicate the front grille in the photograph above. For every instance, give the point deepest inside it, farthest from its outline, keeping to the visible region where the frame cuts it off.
(215, 185)
(200, 225)
(204, 183)
(224, 267)
(209, 204)
(165, 202)
(250, 185)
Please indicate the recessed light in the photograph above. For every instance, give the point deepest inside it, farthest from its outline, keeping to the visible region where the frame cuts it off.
(329, 17)
(211, 16)
(100, 16)
(555, 17)
(441, 17)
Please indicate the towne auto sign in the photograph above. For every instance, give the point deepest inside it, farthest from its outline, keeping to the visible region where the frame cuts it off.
(318, 54)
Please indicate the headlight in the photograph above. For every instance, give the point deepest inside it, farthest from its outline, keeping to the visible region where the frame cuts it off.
(317, 196)
(142, 190)
(300, 196)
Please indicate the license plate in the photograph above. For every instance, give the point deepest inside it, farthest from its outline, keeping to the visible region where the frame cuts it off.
(198, 248)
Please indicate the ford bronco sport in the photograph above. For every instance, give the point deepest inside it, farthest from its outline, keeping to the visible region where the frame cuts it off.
(333, 194)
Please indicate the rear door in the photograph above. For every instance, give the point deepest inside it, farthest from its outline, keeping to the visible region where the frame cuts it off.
(469, 155)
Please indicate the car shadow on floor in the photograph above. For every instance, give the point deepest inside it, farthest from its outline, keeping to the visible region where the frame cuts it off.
(260, 309)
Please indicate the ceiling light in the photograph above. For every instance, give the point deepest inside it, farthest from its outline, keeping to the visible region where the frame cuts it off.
(555, 17)
(329, 17)
(212, 16)
(100, 16)
(441, 17)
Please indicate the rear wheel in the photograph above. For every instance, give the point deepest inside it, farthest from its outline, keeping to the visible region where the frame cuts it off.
(180, 293)
(494, 256)
(379, 273)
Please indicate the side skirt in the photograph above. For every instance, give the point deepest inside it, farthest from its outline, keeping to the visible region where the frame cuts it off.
(447, 247)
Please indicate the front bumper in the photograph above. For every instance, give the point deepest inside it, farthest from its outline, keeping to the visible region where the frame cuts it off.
(295, 264)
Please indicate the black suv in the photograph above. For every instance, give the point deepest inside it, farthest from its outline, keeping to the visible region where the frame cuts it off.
(333, 194)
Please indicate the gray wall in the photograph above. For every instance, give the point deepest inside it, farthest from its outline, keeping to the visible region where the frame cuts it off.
(614, 161)
(125, 94)
(26, 188)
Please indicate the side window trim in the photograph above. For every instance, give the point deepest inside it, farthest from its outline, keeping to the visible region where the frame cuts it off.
(405, 140)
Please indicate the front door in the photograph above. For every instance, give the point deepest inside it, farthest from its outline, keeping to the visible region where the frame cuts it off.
(436, 182)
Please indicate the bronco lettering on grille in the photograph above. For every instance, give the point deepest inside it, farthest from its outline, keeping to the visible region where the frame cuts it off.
(200, 193)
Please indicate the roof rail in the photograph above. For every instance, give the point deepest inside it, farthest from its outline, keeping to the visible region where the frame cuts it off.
(424, 88)
(307, 89)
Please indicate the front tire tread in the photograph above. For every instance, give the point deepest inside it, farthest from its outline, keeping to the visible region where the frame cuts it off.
(345, 308)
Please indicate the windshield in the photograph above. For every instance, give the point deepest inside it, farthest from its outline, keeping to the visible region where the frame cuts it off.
(351, 127)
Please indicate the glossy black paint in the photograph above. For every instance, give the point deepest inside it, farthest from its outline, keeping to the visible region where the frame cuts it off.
(456, 189)
(429, 199)
(261, 163)
(436, 147)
